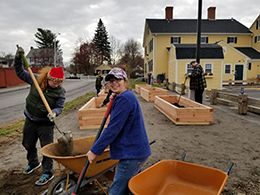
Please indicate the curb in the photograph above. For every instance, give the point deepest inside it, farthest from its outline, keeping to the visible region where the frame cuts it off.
(6, 90)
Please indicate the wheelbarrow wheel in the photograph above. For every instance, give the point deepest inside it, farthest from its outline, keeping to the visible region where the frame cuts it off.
(58, 185)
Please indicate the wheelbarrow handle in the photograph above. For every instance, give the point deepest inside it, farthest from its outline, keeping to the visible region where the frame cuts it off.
(230, 168)
(84, 170)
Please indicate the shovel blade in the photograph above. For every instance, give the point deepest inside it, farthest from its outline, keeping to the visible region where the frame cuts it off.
(65, 144)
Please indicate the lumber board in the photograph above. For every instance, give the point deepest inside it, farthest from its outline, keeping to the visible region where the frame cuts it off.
(193, 113)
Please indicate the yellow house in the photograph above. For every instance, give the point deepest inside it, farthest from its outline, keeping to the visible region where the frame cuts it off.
(240, 53)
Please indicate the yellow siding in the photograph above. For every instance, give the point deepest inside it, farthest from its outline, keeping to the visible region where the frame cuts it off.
(161, 55)
(255, 70)
(256, 32)
(232, 57)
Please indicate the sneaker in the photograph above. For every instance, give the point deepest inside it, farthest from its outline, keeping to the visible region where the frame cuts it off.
(29, 169)
(45, 178)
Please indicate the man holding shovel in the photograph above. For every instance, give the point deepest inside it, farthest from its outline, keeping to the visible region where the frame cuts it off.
(38, 123)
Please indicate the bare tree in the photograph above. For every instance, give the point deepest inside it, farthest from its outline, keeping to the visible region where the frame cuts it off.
(131, 55)
(116, 48)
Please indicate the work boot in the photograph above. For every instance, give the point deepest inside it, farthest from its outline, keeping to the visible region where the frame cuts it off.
(30, 168)
(45, 178)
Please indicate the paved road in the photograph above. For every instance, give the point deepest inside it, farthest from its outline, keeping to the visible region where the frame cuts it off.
(13, 101)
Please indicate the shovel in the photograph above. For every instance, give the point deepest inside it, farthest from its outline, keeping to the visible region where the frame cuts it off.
(182, 92)
(65, 144)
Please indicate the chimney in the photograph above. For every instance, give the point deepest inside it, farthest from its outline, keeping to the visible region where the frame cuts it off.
(212, 13)
(168, 13)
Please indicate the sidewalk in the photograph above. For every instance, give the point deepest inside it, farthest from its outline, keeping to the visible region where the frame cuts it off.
(15, 88)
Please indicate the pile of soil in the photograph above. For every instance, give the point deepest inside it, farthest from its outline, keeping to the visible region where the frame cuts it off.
(231, 138)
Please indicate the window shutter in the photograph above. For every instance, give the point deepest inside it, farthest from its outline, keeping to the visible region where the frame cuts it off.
(255, 39)
(235, 39)
(207, 40)
(171, 40)
(228, 40)
(179, 40)
(257, 24)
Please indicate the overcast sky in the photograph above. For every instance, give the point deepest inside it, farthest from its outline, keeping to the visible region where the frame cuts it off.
(124, 19)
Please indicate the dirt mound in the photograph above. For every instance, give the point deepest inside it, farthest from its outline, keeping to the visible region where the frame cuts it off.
(16, 183)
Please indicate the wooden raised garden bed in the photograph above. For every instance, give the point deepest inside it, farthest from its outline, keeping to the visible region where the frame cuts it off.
(186, 112)
(149, 92)
(138, 86)
(90, 115)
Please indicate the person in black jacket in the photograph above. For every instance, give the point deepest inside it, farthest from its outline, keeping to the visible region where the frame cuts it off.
(99, 79)
(38, 122)
(197, 81)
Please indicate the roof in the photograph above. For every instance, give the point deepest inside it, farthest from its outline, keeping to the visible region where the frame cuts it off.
(190, 26)
(103, 67)
(207, 51)
(39, 53)
(250, 52)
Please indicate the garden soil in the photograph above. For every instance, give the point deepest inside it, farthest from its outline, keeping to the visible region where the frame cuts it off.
(231, 138)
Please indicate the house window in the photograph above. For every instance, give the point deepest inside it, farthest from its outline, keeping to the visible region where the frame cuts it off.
(151, 45)
(232, 40)
(227, 69)
(208, 68)
(175, 40)
(204, 40)
(188, 68)
(249, 66)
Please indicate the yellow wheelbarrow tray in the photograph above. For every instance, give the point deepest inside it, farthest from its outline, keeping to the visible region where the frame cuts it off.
(77, 160)
(170, 177)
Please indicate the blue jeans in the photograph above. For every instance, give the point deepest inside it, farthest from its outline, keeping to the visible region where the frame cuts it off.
(124, 171)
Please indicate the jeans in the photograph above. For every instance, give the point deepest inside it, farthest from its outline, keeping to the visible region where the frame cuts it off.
(31, 133)
(124, 171)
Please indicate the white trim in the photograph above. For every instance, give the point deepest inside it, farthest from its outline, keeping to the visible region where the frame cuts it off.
(176, 71)
(221, 74)
(154, 60)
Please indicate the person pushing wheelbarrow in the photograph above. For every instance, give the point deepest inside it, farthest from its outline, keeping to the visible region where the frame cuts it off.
(125, 133)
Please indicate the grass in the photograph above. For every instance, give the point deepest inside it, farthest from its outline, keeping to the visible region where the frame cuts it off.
(14, 128)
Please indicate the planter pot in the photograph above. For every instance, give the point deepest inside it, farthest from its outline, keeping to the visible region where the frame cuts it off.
(149, 92)
(90, 115)
(186, 112)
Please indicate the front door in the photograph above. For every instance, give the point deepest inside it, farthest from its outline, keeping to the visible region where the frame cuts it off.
(239, 72)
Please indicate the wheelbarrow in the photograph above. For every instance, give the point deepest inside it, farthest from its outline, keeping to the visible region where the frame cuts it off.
(66, 181)
(169, 177)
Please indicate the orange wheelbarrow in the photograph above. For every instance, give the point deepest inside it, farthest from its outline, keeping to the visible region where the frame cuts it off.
(65, 183)
(170, 177)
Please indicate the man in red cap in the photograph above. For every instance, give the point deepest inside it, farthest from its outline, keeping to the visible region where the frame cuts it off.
(38, 122)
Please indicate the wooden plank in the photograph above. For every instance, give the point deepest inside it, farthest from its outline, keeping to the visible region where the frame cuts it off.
(90, 115)
(190, 115)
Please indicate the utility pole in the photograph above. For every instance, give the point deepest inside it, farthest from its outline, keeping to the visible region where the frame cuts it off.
(55, 50)
(198, 31)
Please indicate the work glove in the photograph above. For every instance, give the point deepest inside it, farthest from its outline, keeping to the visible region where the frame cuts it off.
(187, 75)
(51, 116)
(19, 52)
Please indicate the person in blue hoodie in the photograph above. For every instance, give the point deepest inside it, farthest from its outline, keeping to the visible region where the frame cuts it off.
(125, 134)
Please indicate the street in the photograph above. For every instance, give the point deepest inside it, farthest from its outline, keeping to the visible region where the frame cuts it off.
(12, 103)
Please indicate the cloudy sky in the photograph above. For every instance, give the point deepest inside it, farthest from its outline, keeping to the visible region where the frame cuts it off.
(124, 19)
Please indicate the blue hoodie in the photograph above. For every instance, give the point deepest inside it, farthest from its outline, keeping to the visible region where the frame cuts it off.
(125, 133)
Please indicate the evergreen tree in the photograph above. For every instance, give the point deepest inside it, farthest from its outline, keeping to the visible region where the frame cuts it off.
(46, 39)
(102, 44)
